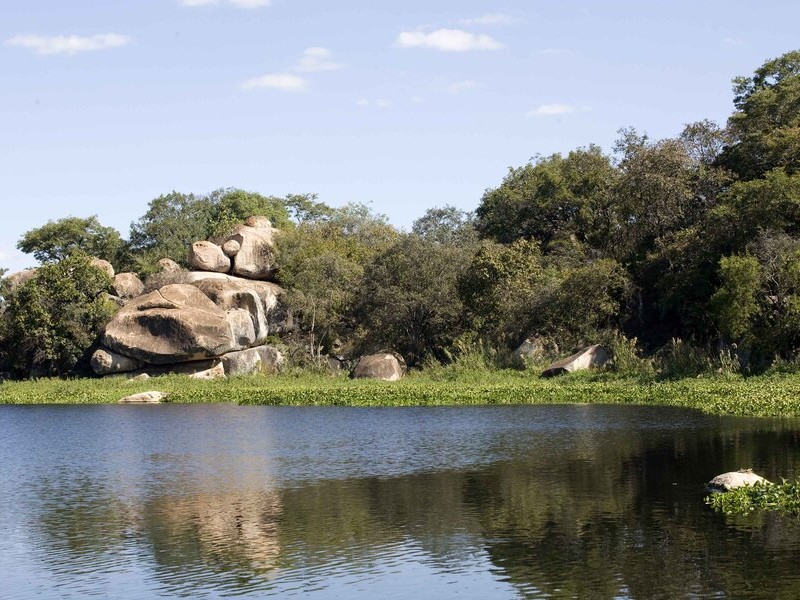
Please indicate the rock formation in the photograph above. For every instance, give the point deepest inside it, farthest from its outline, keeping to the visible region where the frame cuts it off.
(213, 324)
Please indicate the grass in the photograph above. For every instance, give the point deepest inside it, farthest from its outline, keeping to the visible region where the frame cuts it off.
(779, 497)
(776, 395)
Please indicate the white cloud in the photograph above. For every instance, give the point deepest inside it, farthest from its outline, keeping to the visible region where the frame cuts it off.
(68, 44)
(457, 87)
(237, 3)
(490, 19)
(732, 41)
(316, 58)
(417, 99)
(551, 110)
(284, 82)
(447, 40)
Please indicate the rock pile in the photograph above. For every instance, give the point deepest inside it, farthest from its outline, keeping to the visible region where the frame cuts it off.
(213, 323)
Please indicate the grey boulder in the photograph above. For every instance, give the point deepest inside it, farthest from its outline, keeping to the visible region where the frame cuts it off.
(127, 286)
(177, 323)
(590, 357)
(735, 479)
(385, 366)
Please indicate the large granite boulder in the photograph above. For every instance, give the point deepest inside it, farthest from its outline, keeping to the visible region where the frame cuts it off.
(127, 286)
(239, 295)
(735, 479)
(591, 357)
(255, 258)
(105, 362)
(207, 256)
(176, 323)
(262, 359)
(103, 265)
(383, 365)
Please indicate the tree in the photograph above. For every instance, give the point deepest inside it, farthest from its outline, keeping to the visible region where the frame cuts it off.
(322, 262)
(550, 198)
(766, 124)
(446, 225)
(230, 207)
(408, 299)
(57, 239)
(735, 302)
(51, 320)
(171, 224)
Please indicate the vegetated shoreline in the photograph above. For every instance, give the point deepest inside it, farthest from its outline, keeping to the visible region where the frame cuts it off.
(773, 395)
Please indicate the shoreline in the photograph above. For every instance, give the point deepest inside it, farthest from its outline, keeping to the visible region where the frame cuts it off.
(775, 395)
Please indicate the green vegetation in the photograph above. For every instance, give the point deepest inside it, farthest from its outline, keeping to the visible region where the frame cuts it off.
(781, 497)
(768, 396)
(683, 254)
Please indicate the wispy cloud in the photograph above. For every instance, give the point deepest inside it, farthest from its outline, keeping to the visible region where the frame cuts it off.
(315, 59)
(68, 44)
(732, 41)
(237, 3)
(379, 103)
(284, 82)
(447, 40)
(458, 87)
(489, 19)
(551, 110)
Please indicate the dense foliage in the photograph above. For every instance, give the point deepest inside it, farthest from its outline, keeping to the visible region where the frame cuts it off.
(684, 251)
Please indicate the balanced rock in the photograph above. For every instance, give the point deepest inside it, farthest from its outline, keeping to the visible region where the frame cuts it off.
(177, 323)
(105, 362)
(735, 479)
(144, 398)
(207, 256)
(231, 248)
(256, 256)
(262, 359)
(383, 365)
(103, 265)
(591, 357)
(127, 286)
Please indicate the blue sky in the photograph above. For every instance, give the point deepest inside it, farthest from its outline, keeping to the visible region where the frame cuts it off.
(106, 104)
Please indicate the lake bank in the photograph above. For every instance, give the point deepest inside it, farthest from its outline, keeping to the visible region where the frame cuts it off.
(776, 395)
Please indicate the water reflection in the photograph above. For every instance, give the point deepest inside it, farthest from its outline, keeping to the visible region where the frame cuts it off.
(534, 502)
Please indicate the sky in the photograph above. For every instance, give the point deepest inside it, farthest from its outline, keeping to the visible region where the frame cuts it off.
(107, 104)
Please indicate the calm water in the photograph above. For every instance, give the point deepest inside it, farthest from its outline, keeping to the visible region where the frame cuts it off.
(497, 502)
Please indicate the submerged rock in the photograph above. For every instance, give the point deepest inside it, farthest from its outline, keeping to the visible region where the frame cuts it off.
(144, 398)
(734, 479)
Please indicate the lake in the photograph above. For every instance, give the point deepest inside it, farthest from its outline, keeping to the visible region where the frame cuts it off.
(212, 501)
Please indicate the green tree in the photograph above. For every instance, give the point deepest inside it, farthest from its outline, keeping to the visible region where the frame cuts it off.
(766, 124)
(551, 198)
(51, 320)
(230, 207)
(55, 240)
(446, 225)
(171, 224)
(322, 262)
(408, 300)
(735, 302)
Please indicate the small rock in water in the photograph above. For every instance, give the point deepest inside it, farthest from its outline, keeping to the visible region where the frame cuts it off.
(734, 479)
(144, 398)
